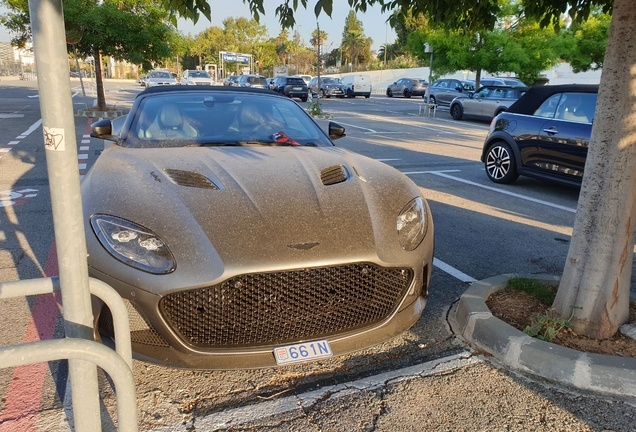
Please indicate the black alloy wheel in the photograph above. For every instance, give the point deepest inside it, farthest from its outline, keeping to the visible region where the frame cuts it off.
(457, 112)
(500, 163)
(431, 100)
(407, 93)
(389, 93)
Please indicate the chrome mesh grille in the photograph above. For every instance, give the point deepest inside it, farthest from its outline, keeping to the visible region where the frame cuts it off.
(273, 308)
(190, 179)
(333, 175)
(141, 331)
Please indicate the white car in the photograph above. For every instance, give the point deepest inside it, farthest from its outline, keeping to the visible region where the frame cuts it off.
(158, 77)
(196, 77)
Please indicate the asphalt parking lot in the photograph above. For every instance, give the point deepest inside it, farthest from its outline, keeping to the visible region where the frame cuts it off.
(412, 382)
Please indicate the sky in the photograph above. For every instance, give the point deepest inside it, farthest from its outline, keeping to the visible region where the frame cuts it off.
(373, 21)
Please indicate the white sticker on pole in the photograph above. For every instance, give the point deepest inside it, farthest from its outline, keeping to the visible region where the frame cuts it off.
(54, 138)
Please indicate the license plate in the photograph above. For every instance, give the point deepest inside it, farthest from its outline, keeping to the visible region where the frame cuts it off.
(302, 352)
(297, 88)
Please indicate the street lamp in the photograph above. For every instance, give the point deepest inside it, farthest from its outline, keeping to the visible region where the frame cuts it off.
(429, 49)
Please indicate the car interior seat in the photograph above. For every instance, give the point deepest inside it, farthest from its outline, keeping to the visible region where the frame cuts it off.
(170, 124)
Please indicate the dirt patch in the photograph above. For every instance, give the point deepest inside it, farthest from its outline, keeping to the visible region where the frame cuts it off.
(516, 308)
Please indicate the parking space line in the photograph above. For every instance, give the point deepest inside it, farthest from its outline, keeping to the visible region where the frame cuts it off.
(358, 127)
(490, 188)
(453, 271)
(393, 120)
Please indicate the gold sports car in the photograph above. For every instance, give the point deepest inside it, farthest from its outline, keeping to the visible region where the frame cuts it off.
(241, 237)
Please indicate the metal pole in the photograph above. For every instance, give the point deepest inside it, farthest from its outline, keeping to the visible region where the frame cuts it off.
(79, 71)
(318, 62)
(58, 124)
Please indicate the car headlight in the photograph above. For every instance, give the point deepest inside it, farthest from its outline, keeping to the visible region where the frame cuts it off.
(133, 244)
(411, 224)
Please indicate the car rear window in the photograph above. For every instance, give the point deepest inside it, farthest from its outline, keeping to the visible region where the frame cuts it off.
(257, 81)
(295, 81)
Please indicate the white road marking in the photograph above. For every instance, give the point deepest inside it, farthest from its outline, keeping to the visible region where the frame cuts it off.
(393, 120)
(453, 271)
(504, 192)
(386, 160)
(358, 127)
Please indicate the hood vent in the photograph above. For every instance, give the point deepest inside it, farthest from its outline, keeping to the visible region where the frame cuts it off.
(190, 179)
(333, 175)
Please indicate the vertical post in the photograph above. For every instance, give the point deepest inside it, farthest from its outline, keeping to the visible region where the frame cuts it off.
(318, 62)
(429, 49)
(58, 124)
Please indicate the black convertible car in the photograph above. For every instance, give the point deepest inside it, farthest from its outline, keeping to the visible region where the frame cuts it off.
(544, 134)
(240, 236)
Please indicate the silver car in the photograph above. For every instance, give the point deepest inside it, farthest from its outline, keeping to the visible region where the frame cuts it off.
(160, 78)
(488, 102)
(196, 77)
(443, 91)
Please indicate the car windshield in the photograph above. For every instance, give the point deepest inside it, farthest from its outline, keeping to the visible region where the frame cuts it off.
(468, 86)
(221, 119)
(330, 80)
(198, 74)
(158, 74)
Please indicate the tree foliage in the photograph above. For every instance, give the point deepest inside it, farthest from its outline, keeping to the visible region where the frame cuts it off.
(355, 46)
(519, 46)
(585, 43)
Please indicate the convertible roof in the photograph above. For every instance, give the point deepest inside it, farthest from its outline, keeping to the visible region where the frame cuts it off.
(183, 88)
(535, 96)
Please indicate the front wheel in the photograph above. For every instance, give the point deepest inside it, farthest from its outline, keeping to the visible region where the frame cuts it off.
(367, 96)
(432, 100)
(304, 99)
(500, 163)
(389, 93)
(407, 94)
(457, 112)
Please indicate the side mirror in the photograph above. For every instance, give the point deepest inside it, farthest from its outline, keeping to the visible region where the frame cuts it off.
(471, 95)
(395, 82)
(103, 129)
(336, 131)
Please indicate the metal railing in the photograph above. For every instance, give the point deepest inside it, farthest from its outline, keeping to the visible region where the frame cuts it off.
(118, 365)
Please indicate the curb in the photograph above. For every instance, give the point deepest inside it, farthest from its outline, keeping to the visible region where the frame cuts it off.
(612, 375)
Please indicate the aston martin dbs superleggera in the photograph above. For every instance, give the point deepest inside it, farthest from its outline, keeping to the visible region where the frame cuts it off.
(240, 236)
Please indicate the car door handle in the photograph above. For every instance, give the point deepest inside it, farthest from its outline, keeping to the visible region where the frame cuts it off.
(552, 131)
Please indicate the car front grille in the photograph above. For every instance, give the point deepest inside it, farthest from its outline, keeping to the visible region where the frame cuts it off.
(203, 83)
(274, 308)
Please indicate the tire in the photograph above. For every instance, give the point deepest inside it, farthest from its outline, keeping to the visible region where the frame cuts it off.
(389, 93)
(407, 93)
(457, 112)
(322, 94)
(500, 163)
(432, 100)
(367, 96)
(304, 99)
(499, 112)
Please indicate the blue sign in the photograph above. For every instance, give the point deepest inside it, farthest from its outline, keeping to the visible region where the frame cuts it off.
(238, 58)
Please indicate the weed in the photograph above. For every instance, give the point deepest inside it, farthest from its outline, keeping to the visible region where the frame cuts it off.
(546, 327)
(315, 107)
(535, 288)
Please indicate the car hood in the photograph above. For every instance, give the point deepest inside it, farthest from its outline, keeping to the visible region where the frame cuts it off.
(162, 80)
(223, 209)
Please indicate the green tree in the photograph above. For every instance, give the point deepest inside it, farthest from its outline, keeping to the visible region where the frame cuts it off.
(135, 31)
(515, 45)
(355, 45)
(585, 43)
